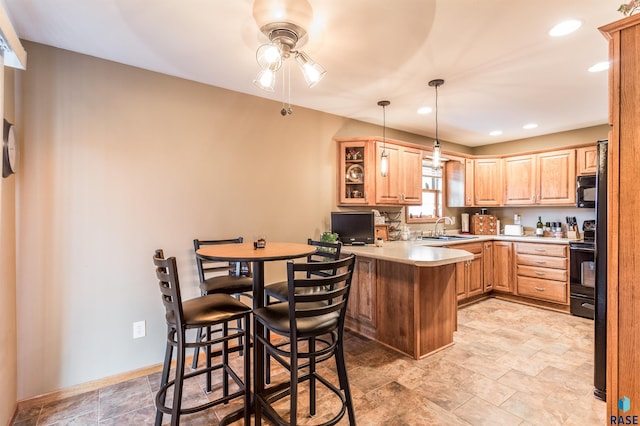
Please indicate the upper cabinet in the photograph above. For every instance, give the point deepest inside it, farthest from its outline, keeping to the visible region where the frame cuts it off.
(487, 182)
(402, 185)
(360, 182)
(355, 183)
(587, 160)
(548, 178)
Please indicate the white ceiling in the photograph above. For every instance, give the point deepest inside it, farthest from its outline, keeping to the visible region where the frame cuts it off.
(501, 68)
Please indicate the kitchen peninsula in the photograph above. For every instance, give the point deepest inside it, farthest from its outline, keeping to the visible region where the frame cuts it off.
(404, 295)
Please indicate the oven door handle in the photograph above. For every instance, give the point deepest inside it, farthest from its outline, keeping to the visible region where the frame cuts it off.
(589, 306)
(586, 250)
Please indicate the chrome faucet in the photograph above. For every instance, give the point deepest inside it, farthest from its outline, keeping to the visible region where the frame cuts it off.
(435, 229)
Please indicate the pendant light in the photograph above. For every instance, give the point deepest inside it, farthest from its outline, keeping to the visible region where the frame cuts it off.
(384, 159)
(436, 164)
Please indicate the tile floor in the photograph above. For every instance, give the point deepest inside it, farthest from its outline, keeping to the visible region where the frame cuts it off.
(511, 365)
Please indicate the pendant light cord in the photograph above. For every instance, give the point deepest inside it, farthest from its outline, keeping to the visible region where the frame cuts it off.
(437, 114)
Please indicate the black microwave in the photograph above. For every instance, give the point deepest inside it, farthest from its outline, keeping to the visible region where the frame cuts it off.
(586, 191)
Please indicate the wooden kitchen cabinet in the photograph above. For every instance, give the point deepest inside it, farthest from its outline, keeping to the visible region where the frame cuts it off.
(487, 265)
(542, 272)
(469, 274)
(360, 182)
(403, 183)
(520, 180)
(469, 197)
(623, 266)
(547, 178)
(459, 182)
(557, 177)
(356, 168)
(587, 160)
(362, 297)
(487, 181)
(503, 266)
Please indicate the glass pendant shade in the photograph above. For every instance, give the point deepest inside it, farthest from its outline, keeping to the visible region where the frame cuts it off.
(266, 80)
(436, 155)
(384, 164)
(312, 71)
(269, 57)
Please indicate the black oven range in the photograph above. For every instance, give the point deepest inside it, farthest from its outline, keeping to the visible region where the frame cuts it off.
(582, 277)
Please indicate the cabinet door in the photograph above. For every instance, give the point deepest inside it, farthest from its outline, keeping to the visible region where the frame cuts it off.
(520, 180)
(363, 305)
(587, 160)
(411, 170)
(487, 181)
(503, 266)
(475, 276)
(354, 165)
(557, 177)
(462, 269)
(468, 183)
(388, 187)
(455, 183)
(487, 264)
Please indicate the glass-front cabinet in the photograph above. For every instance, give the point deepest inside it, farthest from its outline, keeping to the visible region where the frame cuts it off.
(356, 168)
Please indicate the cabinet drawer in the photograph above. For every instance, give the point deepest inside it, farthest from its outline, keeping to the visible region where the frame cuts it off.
(542, 261)
(553, 291)
(557, 250)
(543, 273)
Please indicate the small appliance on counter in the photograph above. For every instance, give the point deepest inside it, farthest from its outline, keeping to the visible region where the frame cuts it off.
(464, 223)
(514, 230)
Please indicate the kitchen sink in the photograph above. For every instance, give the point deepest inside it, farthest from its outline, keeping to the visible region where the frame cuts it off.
(450, 237)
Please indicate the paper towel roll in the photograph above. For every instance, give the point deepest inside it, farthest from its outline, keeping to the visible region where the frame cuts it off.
(464, 222)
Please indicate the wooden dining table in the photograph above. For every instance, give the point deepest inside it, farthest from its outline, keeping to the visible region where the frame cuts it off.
(246, 252)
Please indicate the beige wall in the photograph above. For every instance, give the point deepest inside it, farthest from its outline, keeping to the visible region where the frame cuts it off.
(555, 140)
(8, 344)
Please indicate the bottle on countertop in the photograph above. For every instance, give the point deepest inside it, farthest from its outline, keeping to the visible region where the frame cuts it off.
(539, 227)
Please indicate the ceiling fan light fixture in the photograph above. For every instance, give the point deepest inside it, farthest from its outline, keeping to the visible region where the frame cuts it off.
(269, 57)
(266, 80)
(312, 71)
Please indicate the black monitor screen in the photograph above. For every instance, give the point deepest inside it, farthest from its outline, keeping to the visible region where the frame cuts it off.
(353, 227)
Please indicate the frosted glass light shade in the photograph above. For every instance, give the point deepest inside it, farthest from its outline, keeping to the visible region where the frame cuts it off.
(312, 71)
(266, 80)
(435, 161)
(269, 57)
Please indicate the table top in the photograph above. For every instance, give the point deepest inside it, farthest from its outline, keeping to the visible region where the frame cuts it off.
(246, 251)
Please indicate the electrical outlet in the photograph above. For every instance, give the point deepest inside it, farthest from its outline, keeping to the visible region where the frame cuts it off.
(139, 329)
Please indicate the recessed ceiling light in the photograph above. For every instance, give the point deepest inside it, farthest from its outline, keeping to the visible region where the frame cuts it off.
(565, 27)
(495, 133)
(530, 126)
(600, 66)
(424, 110)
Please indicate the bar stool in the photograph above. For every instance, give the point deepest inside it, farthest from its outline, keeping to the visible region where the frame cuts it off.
(325, 251)
(233, 278)
(198, 313)
(313, 324)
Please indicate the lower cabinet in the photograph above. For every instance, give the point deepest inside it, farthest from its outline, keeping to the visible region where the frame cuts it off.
(362, 297)
(469, 274)
(542, 272)
(503, 266)
(487, 264)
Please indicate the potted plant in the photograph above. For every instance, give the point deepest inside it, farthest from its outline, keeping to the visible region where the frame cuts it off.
(629, 8)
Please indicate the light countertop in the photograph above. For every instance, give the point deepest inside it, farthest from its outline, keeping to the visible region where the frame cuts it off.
(412, 253)
(431, 252)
